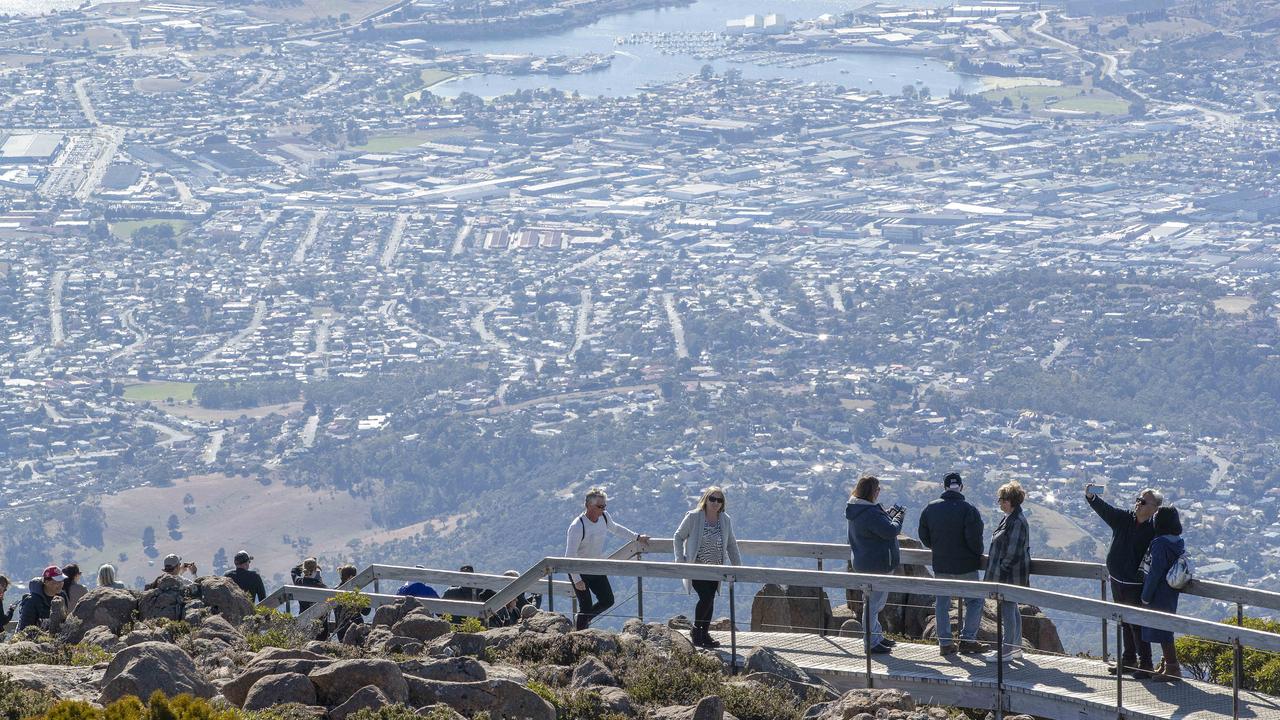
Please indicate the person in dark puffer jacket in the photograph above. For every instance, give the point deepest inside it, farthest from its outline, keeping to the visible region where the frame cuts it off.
(952, 528)
(873, 542)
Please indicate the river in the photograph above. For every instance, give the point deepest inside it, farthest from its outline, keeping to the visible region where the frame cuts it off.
(635, 66)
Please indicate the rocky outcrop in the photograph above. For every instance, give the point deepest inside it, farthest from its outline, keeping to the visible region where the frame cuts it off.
(421, 626)
(166, 600)
(880, 704)
(499, 698)
(272, 690)
(146, 667)
(791, 608)
(338, 681)
(708, 708)
(101, 608)
(223, 597)
(369, 697)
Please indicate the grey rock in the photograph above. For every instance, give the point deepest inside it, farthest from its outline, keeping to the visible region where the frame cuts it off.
(420, 626)
(237, 690)
(403, 645)
(216, 627)
(440, 711)
(505, 672)
(356, 635)
(617, 700)
(500, 698)
(224, 598)
(272, 690)
(708, 708)
(337, 682)
(103, 638)
(504, 637)
(458, 643)
(146, 667)
(101, 607)
(547, 623)
(857, 702)
(392, 613)
(166, 600)
(61, 681)
(802, 690)
(455, 669)
(589, 672)
(764, 660)
(369, 697)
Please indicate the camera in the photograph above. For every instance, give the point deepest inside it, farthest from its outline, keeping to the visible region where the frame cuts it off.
(897, 511)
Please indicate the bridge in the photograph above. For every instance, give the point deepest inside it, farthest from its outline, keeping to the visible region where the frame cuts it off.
(1041, 683)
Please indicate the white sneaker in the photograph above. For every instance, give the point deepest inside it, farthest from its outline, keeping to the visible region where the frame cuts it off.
(994, 657)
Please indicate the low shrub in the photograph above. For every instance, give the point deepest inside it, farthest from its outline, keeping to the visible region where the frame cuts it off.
(390, 712)
(17, 702)
(158, 707)
(469, 625)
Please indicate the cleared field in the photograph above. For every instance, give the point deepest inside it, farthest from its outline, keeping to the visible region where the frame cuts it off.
(429, 77)
(160, 391)
(278, 524)
(126, 229)
(1234, 304)
(315, 10)
(1068, 98)
(993, 82)
(195, 412)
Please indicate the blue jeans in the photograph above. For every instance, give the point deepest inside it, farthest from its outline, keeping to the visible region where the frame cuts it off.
(1012, 626)
(879, 598)
(972, 611)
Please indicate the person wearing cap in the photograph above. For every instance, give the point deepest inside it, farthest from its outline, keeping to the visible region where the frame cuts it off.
(174, 566)
(307, 574)
(247, 580)
(952, 528)
(43, 593)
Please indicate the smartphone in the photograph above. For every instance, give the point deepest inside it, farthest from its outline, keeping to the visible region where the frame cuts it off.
(1095, 489)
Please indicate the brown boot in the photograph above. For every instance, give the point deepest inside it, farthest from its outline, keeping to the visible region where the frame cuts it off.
(1170, 670)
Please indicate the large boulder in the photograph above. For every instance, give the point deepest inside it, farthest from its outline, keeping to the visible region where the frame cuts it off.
(337, 682)
(655, 635)
(421, 626)
(101, 607)
(60, 681)
(237, 690)
(708, 708)
(454, 669)
(146, 667)
(392, 613)
(770, 611)
(216, 627)
(103, 638)
(166, 600)
(458, 643)
(547, 623)
(791, 608)
(857, 702)
(1039, 631)
(223, 597)
(272, 690)
(591, 672)
(369, 697)
(500, 698)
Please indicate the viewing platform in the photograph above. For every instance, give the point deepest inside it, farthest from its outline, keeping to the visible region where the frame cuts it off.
(1044, 684)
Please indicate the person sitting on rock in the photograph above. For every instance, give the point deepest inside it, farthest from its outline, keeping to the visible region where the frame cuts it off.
(307, 575)
(244, 578)
(43, 598)
(107, 577)
(72, 590)
(7, 617)
(174, 567)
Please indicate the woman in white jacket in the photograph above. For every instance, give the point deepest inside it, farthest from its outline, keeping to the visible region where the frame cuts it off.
(705, 536)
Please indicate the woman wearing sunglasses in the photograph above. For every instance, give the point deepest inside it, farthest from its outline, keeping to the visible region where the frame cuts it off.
(705, 536)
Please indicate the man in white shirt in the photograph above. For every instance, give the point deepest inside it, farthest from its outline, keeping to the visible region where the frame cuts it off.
(585, 539)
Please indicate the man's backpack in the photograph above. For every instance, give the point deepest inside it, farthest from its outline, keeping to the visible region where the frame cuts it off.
(582, 521)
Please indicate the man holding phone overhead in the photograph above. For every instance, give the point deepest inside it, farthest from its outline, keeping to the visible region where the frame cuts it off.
(1131, 532)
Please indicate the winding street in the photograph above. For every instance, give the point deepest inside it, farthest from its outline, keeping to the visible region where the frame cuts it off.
(259, 312)
(126, 318)
(767, 315)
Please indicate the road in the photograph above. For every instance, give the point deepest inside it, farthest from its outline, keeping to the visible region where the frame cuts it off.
(215, 445)
(461, 237)
(313, 230)
(1059, 345)
(171, 435)
(259, 312)
(107, 140)
(393, 241)
(52, 413)
(583, 322)
(767, 315)
(263, 80)
(322, 344)
(86, 105)
(677, 325)
(334, 78)
(477, 324)
(56, 335)
(1221, 465)
(140, 335)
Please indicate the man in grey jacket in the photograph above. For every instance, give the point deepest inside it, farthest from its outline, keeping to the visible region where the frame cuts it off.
(952, 527)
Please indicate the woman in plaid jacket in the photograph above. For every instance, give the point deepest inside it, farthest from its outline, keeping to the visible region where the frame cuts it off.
(1009, 562)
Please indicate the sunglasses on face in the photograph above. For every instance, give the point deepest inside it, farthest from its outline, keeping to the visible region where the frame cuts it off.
(715, 499)
(601, 507)
(1140, 501)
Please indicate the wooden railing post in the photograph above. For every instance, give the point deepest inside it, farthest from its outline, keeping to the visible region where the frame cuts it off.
(866, 631)
(733, 630)
(999, 656)
(1103, 596)
(1119, 673)
(640, 591)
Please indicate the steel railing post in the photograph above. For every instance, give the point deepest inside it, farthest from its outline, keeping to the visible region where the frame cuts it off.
(999, 656)
(377, 586)
(640, 591)
(551, 591)
(733, 631)
(866, 631)
(1119, 672)
(1102, 595)
(1237, 673)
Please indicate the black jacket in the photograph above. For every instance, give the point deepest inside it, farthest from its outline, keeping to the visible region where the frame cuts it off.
(249, 581)
(1129, 540)
(35, 605)
(952, 527)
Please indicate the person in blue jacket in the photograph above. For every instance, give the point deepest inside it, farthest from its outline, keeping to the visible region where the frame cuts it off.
(873, 542)
(1157, 594)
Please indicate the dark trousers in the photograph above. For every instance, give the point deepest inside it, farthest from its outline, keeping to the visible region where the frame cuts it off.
(706, 590)
(1136, 652)
(588, 610)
